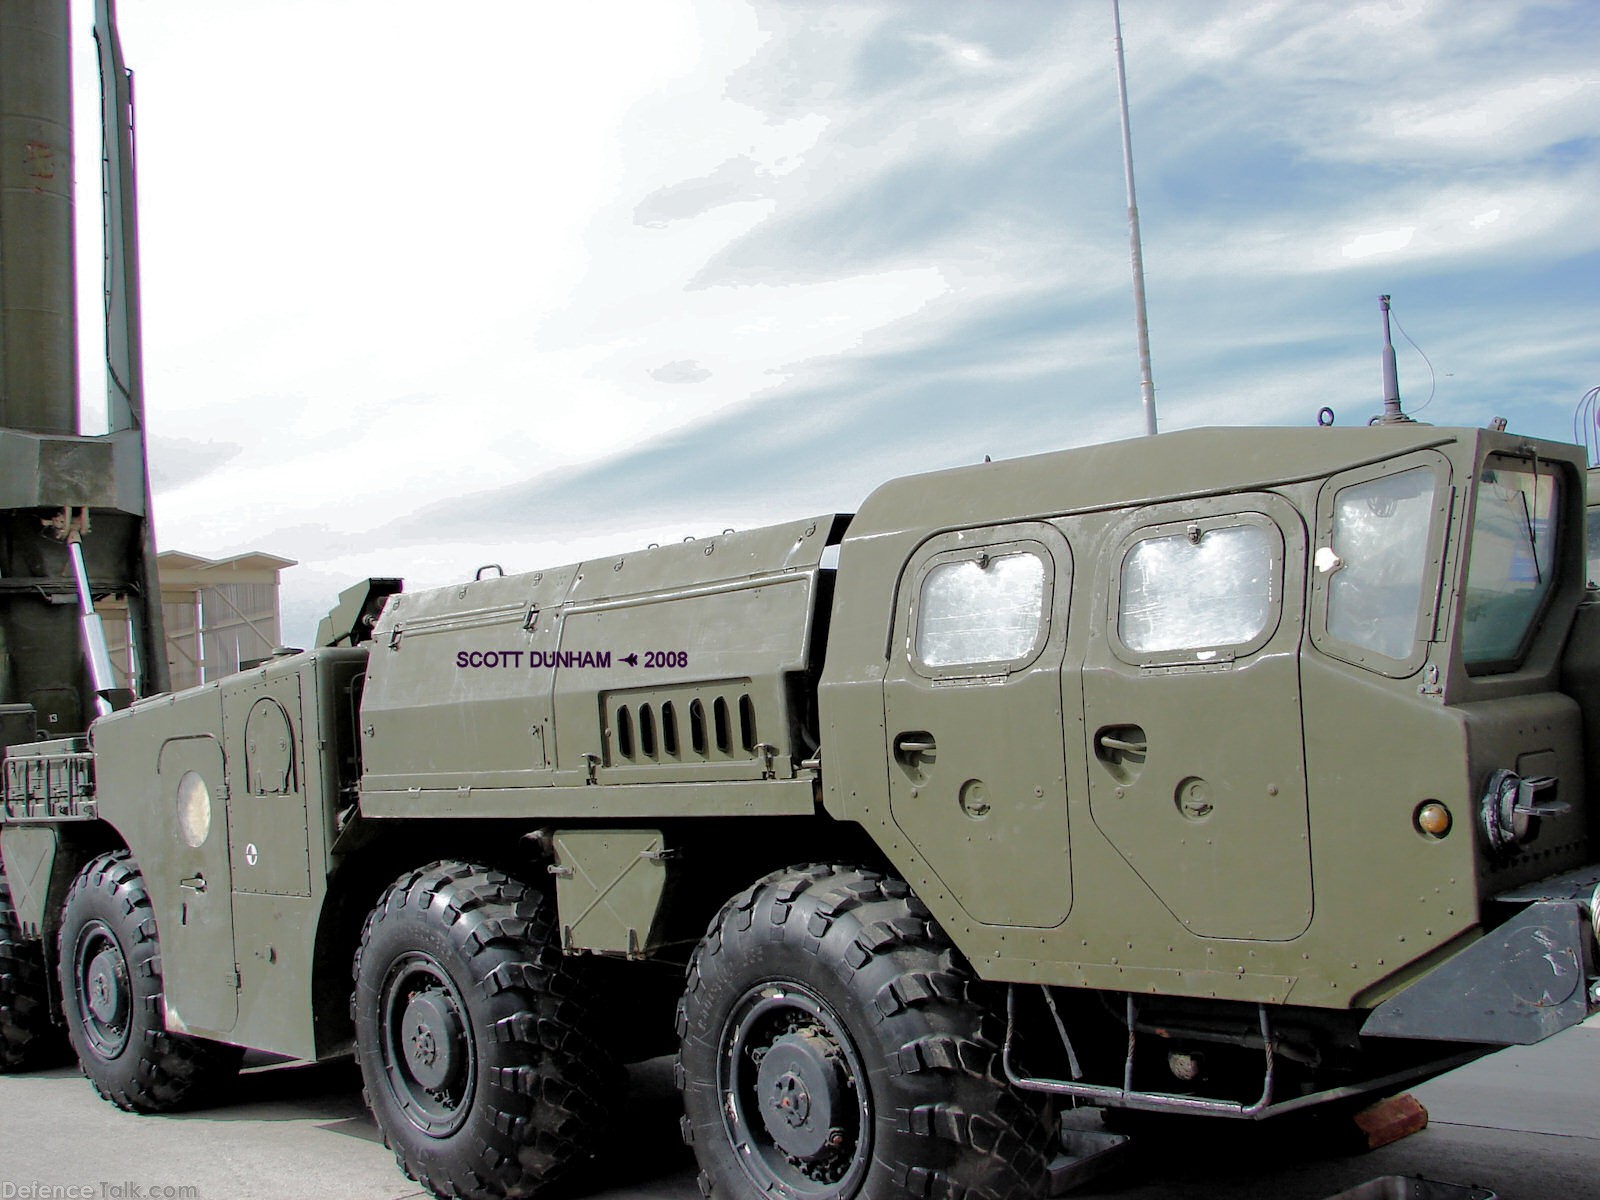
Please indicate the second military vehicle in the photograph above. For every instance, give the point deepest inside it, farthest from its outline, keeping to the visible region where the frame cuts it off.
(1224, 772)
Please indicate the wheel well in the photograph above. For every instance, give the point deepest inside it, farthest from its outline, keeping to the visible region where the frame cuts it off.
(717, 859)
(76, 844)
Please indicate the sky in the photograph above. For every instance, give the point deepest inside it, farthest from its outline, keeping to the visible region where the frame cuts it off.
(428, 287)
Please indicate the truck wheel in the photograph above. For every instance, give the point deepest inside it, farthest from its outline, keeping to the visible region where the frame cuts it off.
(28, 1038)
(831, 1047)
(111, 997)
(473, 1036)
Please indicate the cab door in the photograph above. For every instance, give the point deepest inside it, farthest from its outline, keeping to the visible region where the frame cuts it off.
(1192, 713)
(972, 708)
(201, 980)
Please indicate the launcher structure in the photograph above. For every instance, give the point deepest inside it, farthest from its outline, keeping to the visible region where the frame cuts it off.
(74, 508)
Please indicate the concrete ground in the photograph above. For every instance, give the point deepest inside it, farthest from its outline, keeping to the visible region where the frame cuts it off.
(1524, 1124)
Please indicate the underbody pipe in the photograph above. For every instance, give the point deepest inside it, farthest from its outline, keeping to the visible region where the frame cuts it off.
(94, 633)
(1127, 1097)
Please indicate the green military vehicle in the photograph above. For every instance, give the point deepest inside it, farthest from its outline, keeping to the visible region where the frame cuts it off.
(1227, 772)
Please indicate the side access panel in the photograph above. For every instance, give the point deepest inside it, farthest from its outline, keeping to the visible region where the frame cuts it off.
(288, 727)
(451, 699)
(668, 681)
(267, 820)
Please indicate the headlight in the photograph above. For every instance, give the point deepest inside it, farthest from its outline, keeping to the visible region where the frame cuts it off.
(1512, 808)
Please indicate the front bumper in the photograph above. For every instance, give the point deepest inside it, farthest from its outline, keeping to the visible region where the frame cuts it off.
(1520, 983)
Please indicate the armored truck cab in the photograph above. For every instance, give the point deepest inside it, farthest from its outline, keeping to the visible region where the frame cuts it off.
(1227, 772)
(1246, 708)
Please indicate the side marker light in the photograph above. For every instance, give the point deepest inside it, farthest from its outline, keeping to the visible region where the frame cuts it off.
(1434, 819)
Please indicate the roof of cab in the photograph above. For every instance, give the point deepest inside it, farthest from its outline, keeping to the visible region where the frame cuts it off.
(1170, 466)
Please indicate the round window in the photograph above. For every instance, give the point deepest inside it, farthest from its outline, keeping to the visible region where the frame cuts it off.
(194, 808)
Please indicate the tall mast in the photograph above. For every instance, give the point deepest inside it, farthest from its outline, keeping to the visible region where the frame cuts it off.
(1147, 386)
(124, 344)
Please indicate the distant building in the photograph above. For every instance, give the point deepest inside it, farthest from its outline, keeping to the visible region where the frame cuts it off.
(218, 614)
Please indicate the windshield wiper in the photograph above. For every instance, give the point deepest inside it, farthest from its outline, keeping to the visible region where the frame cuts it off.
(1533, 542)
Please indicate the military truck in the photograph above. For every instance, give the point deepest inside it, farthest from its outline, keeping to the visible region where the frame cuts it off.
(1226, 772)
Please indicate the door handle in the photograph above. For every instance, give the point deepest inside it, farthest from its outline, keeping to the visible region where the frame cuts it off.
(915, 751)
(195, 883)
(1122, 750)
(1107, 742)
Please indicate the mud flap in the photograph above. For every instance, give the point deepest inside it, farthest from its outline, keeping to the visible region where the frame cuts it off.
(609, 884)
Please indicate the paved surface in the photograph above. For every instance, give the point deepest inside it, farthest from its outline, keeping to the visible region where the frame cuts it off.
(1525, 1123)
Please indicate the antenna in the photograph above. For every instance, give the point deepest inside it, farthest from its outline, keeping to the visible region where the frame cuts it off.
(1586, 425)
(1392, 414)
(1147, 387)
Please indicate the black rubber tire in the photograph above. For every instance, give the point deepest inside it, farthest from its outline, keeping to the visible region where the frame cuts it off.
(29, 1039)
(108, 937)
(844, 975)
(512, 1090)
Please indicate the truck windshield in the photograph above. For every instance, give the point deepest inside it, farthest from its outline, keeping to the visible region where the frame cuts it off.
(1512, 563)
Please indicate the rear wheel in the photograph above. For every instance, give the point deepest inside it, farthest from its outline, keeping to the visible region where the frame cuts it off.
(28, 1038)
(474, 1036)
(833, 1047)
(111, 997)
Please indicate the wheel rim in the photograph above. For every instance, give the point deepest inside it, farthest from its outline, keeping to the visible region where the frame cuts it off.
(798, 1111)
(429, 1055)
(100, 980)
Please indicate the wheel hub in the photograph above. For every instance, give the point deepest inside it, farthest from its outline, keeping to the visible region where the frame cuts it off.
(791, 1100)
(103, 991)
(429, 1052)
(799, 1087)
(432, 1037)
(107, 993)
(798, 1102)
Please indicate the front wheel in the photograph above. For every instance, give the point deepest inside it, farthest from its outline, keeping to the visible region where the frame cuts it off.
(111, 997)
(474, 1036)
(833, 1047)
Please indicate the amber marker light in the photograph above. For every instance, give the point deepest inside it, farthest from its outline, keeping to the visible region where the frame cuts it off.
(1433, 819)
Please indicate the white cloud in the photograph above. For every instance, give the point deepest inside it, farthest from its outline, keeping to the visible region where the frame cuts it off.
(1363, 245)
(1531, 112)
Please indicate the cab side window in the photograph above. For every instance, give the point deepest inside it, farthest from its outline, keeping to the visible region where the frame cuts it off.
(1197, 589)
(1375, 574)
(1203, 590)
(1380, 538)
(981, 608)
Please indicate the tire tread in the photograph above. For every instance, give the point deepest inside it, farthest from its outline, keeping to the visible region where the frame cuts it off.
(979, 1139)
(29, 1037)
(551, 1090)
(166, 1071)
